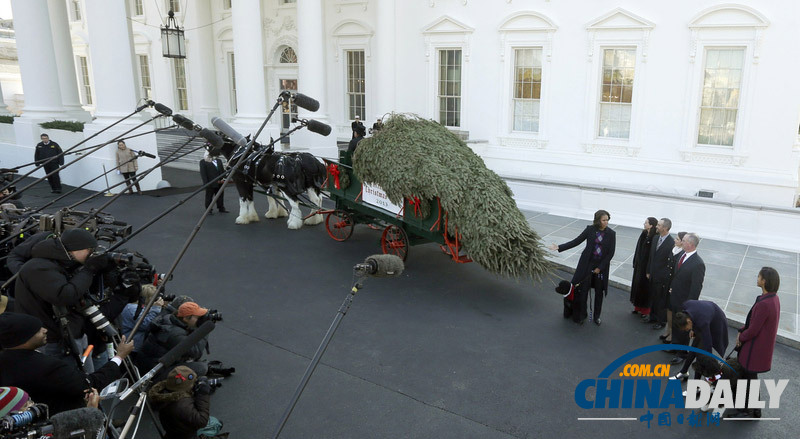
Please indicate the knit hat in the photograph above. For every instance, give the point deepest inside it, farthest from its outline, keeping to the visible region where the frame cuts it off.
(12, 399)
(3, 304)
(191, 309)
(181, 379)
(78, 239)
(16, 329)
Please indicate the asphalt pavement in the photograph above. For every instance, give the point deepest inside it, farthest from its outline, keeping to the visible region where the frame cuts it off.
(446, 350)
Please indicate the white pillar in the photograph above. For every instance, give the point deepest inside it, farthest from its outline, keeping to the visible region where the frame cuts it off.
(115, 90)
(385, 85)
(248, 52)
(65, 60)
(3, 107)
(111, 50)
(37, 60)
(200, 48)
(312, 76)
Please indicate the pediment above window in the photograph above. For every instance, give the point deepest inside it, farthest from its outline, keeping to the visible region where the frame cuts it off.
(730, 15)
(527, 22)
(620, 19)
(447, 25)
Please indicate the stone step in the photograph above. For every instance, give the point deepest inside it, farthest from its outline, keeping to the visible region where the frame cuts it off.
(170, 140)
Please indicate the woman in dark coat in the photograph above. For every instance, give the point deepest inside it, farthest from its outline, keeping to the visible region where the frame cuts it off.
(756, 339)
(640, 290)
(593, 266)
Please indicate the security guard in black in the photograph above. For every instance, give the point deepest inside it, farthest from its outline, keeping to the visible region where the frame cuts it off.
(44, 151)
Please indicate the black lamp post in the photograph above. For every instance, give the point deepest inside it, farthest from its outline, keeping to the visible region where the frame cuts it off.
(173, 42)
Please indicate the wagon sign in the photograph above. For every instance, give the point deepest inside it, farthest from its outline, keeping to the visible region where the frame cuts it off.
(374, 195)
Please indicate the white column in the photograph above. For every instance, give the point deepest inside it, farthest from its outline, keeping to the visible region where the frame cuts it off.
(111, 51)
(115, 89)
(37, 60)
(200, 56)
(3, 107)
(385, 85)
(65, 60)
(248, 51)
(312, 76)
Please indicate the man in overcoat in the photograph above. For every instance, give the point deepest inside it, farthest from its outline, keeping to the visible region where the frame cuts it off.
(687, 282)
(49, 154)
(659, 271)
(710, 327)
(212, 169)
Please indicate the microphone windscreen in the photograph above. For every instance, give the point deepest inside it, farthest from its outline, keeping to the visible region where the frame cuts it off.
(145, 154)
(386, 265)
(183, 121)
(318, 127)
(89, 419)
(213, 139)
(306, 102)
(163, 109)
(183, 347)
(228, 131)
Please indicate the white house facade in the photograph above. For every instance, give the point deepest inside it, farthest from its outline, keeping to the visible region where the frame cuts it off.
(688, 109)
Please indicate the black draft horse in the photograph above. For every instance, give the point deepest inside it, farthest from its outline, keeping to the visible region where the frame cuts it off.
(288, 174)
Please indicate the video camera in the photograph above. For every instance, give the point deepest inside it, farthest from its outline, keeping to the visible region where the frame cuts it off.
(16, 421)
(211, 316)
(83, 423)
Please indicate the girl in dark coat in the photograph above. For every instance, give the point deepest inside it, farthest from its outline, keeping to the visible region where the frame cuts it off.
(593, 266)
(756, 340)
(640, 286)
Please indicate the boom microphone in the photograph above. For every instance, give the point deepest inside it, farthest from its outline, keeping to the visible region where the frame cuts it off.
(318, 127)
(213, 139)
(87, 421)
(305, 102)
(380, 266)
(184, 122)
(172, 356)
(228, 131)
(163, 109)
(145, 105)
(142, 153)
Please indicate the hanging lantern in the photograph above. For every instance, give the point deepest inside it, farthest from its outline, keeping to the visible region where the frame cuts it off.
(173, 42)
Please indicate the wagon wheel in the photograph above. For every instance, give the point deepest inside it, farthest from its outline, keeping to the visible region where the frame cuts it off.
(339, 225)
(394, 241)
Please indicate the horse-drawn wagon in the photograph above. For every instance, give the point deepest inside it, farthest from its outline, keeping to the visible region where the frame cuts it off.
(414, 222)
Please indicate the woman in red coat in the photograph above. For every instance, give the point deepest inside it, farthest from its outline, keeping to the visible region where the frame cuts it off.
(756, 340)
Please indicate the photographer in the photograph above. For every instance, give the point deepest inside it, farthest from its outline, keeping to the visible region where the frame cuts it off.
(182, 401)
(129, 315)
(57, 382)
(167, 331)
(55, 280)
(22, 252)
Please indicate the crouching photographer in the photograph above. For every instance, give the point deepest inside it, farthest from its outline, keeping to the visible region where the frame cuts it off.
(183, 403)
(168, 330)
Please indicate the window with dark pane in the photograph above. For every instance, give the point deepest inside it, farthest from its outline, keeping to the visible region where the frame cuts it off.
(527, 89)
(450, 87)
(356, 84)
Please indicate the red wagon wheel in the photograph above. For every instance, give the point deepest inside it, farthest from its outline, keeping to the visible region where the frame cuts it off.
(394, 241)
(339, 225)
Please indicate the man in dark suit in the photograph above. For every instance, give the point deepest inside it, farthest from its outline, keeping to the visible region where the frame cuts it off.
(710, 327)
(212, 169)
(659, 272)
(687, 282)
(57, 382)
(49, 154)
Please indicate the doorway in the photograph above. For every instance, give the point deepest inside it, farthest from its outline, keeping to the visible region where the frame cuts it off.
(288, 111)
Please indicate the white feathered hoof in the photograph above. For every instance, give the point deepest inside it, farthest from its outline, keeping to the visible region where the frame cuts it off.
(271, 214)
(242, 220)
(313, 220)
(282, 212)
(295, 222)
(252, 217)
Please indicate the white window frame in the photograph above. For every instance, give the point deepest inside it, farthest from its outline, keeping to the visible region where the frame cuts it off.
(226, 5)
(85, 80)
(230, 59)
(616, 29)
(521, 30)
(443, 34)
(440, 52)
(141, 66)
(738, 104)
(713, 28)
(349, 112)
(178, 104)
(351, 35)
(600, 94)
(168, 6)
(137, 6)
(75, 10)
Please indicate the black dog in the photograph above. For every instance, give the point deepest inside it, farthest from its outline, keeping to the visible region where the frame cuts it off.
(567, 290)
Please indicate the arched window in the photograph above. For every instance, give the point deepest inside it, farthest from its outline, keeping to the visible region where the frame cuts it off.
(288, 56)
